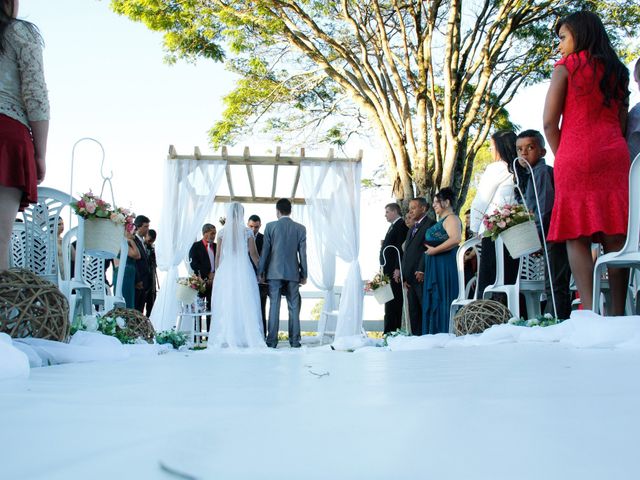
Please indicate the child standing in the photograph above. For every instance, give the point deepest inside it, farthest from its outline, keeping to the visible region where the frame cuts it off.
(530, 148)
(589, 91)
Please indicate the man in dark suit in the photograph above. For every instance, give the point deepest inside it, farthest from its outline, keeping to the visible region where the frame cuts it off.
(395, 237)
(413, 261)
(254, 223)
(202, 259)
(143, 268)
(149, 241)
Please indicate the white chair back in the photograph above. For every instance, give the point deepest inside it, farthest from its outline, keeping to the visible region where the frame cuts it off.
(17, 254)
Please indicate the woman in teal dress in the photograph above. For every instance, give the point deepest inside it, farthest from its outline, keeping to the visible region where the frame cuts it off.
(129, 281)
(440, 271)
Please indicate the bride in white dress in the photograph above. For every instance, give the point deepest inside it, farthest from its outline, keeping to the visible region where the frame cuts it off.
(236, 318)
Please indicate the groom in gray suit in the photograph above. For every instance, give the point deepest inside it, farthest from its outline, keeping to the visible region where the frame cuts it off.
(284, 265)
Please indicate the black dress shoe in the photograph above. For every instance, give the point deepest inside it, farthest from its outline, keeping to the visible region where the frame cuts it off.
(295, 345)
(271, 345)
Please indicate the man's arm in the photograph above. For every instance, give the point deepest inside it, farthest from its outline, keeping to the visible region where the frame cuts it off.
(302, 251)
(266, 252)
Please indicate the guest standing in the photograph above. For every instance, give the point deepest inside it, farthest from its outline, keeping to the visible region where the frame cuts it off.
(143, 270)
(589, 92)
(495, 189)
(413, 262)
(129, 278)
(633, 124)
(440, 286)
(395, 236)
(149, 242)
(202, 260)
(254, 223)
(24, 119)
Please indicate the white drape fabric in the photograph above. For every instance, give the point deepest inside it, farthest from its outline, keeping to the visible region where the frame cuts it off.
(190, 188)
(332, 192)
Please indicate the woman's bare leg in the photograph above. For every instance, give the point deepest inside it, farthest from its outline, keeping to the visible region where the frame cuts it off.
(618, 277)
(581, 262)
(9, 204)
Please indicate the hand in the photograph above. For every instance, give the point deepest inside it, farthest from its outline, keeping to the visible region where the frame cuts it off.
(303, 281)
(420, 277)
(41, 168)
(428, 249)
(396, 275)
(261, 278)
(139, 286)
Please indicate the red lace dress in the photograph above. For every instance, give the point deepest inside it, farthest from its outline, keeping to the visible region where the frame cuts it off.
(591, 167)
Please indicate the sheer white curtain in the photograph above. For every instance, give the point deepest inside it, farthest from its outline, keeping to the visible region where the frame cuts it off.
(332, 192)
(190, 188)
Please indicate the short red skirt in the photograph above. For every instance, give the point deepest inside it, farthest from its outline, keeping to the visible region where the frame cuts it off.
(17, 160)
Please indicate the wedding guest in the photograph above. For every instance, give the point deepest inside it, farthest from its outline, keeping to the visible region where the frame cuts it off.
(129, 279)
(149, 241)
(530, 147)
(64, 274)
(395, 236)
(633, 123)
(495, 189)
(588, 96)
(202, 260)
(413, 261)
(470, 257)
(143, 270)
(24, 119)
(440, 286)
(254, 223)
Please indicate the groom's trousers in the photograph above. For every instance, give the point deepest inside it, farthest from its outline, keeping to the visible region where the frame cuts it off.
(292, 294)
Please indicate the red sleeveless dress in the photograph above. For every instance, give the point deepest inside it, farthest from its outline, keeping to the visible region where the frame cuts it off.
(591, 167)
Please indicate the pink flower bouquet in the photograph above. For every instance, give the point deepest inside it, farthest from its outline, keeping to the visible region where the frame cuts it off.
(91, 206)
(504, 218)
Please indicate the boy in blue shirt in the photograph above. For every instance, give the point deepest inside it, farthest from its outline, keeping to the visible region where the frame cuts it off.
(530, 147)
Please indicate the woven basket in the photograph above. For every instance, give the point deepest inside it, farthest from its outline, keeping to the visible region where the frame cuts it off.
(521, 239)
(102, 237)
(479, 315)
(383, 294)
(32, 307)
(136, 324)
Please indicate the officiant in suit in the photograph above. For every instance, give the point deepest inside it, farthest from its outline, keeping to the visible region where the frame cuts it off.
(202, 260)
(413, 261)
(395, 236)
(283, 264)
(143, 266)
(254, 223)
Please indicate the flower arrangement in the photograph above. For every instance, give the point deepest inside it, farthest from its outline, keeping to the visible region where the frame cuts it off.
(91, 206)
(545, 320)
(504, 218)
(176, 339)
(112, 326)
(194, 282)
(379, 280)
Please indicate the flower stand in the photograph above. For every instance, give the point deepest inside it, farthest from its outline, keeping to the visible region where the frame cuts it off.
(102, 237)
(383, 294)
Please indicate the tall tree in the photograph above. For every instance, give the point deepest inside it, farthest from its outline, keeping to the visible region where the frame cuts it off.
(428, 78)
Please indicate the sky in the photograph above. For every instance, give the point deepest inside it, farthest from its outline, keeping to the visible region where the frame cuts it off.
(107, 80)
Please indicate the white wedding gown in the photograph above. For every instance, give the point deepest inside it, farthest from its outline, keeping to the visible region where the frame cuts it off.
(236, 318)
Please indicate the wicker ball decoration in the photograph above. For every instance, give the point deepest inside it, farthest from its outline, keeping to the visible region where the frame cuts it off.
(136, 324)
(479, 315)
(32, 307)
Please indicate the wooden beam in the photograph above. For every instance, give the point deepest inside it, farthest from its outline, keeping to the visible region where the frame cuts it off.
(297, 177)
(275, 172)
(246, 155)
(172, 152)
(196, 153)
(260, 159)
(267, 200)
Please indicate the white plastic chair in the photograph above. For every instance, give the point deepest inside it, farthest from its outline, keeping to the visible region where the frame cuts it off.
(463, 290)
(328, 321)
(17, 257)
(511, 291)
(92, 274)
(41, 244)
(532, 276)
(629, 256)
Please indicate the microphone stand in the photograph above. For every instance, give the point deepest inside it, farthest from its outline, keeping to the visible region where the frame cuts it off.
(404, 298)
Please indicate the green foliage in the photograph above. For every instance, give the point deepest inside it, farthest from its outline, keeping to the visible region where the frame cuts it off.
(317, 310)
(107, 325)
(545, 320)
(176, 339)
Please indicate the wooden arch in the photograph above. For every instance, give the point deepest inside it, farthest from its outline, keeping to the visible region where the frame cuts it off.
(277, 161)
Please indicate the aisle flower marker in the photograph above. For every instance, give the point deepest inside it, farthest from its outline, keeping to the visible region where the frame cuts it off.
(104, 225)
(515, 226)
(189, 287)
(380, 286)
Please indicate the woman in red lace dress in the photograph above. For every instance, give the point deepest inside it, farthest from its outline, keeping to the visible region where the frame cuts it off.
(589, 91)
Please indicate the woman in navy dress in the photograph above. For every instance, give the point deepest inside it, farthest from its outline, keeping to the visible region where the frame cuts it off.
(440, 271)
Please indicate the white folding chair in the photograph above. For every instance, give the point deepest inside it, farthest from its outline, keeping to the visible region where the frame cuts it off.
(629, 256)
(532, 282)
(464, 298)
(17, 256)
